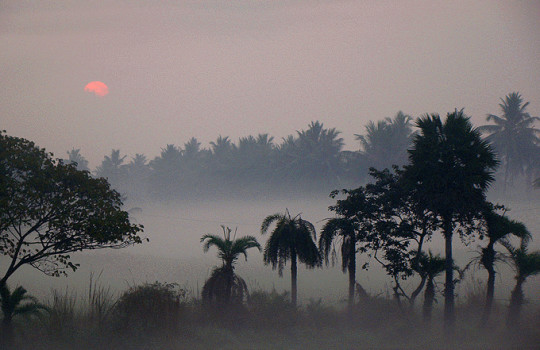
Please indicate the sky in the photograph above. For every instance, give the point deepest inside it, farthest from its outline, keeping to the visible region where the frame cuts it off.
(177, 69)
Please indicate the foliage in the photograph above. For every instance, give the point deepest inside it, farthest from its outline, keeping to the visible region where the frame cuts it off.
(514, 136)
(224, 286)
(450, 170)
(13, 304)
(149, 307)
(215, 289)
(525, 264)
(75, 157)
(386, 142)
(292, 239)
(50, 209)
(497, 228)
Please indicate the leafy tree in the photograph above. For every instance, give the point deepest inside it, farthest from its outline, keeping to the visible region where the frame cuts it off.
(497, 228)
(386, 142)
(75, 157)
(293, 238)
(351, 226)
(525, 264)
(450, 169)
(224, 285)
(49, 210)
(514, 136)
(13, 304)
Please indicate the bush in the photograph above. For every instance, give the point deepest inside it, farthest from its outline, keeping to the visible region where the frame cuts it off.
(150, 307)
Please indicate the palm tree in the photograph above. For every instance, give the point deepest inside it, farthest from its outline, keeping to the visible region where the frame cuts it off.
(313, 156)
(431, 266)
(386, 142)
(514, 136)
(112, 167)
(292, 239)
(12, 304)
(498, 227)
(346, 230)
(450, 170)
(223, 280)
(75, 157)
(525, 265)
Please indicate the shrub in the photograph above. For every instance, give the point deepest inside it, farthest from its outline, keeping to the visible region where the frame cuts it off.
(149, 307)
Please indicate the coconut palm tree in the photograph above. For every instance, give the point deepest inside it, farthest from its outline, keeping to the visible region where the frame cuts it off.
(514, 136)
(223, 282)
(450, 170)
(525, 264)
(112, 167)
(292, 239)
(430, 266)
(498, 227)
(345, 230)
(13, 304)
(75, 157)
(386, 142)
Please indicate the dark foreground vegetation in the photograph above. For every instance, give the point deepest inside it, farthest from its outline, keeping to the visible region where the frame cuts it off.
(162, 316)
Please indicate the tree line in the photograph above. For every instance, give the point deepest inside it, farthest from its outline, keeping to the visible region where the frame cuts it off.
(441, 191)
(310, 160)
(50, 209)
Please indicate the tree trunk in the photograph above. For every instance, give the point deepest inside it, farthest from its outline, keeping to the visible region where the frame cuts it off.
(352, 276)
(417, 291)
(7, 336)
(228, 286)
(516, 300)
(429, 297)
(449, 315)
(294, 273)
(489, 263)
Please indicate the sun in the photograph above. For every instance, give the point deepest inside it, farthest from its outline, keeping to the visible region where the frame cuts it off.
(97, 88)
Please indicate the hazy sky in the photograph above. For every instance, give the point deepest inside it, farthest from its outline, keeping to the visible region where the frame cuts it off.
(177, 69)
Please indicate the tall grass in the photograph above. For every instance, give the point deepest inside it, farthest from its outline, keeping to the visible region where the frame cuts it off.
(165, 316)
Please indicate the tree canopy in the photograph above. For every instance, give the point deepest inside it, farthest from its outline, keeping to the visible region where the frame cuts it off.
(49, 209)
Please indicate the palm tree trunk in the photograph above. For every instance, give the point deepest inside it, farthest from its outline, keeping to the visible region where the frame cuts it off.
(294, 273)
(489, 265)
(352, 275)
(429, 297)
(449, 315)
(516, 300)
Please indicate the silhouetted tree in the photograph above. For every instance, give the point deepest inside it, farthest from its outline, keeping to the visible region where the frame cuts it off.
(514, 136)
(224, 285)
(75, 157)
(386, 142)
(166, 176)
(313, 157)
(497, 228)
(49, 209)
(450, 169)
(525, 264)
(13, 304)
(112, 168)
(292, 239)
(431, 266)
(346, 231)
